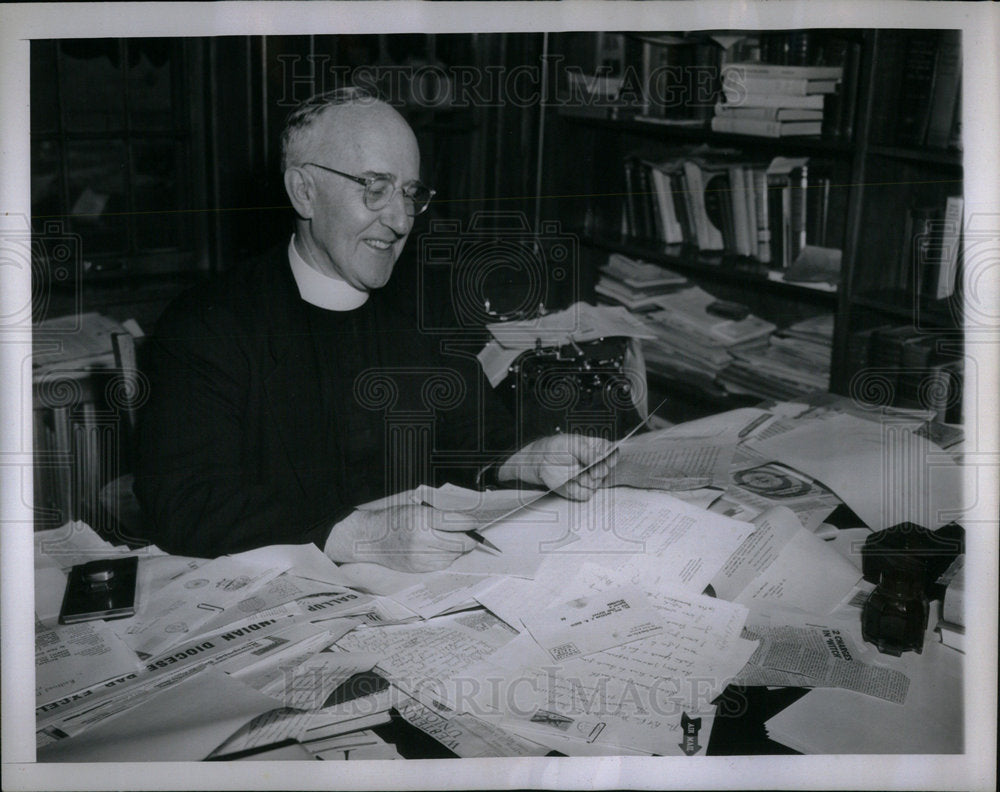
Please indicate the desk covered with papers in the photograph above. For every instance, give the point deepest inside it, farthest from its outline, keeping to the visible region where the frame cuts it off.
(723, 562)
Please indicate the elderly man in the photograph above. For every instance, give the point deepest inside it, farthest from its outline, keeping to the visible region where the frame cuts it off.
(297, 388)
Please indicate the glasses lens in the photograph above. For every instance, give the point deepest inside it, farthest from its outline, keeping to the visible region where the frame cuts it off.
(378, 193)
(417, 196)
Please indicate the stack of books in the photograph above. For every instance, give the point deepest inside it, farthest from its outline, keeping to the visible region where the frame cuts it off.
(795, 361)
(774, 101)
(694, 345)
(635, 284)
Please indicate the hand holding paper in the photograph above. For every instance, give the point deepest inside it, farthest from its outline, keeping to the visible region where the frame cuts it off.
(573, 465)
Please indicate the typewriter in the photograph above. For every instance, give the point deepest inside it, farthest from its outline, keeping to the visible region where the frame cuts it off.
(580, 387)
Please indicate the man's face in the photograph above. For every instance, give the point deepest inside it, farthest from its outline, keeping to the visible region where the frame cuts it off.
(349, 240)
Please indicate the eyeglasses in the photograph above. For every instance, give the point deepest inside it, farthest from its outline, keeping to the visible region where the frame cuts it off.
(381, 188)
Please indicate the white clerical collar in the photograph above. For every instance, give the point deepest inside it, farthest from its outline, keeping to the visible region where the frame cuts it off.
(323, 291)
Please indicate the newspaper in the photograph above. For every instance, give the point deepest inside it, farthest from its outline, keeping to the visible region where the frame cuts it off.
(817, 656)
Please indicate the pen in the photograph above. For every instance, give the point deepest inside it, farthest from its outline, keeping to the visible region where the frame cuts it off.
(482, 540)
(753, 425)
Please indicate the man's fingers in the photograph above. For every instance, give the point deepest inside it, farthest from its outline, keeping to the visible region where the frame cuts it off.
(456, 543)
(453, 521)
(590, 449)
(574, 490)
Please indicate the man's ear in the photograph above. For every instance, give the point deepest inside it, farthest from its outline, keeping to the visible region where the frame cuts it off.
(301, 190)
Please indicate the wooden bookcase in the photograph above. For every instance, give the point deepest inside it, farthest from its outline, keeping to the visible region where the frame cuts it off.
(878, 181)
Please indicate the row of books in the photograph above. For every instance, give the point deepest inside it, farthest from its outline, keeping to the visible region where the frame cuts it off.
(720, 201)
(926, 110)
(795, 361)
(678, 79)
(928, 266)
(774, 101)
(909, 368)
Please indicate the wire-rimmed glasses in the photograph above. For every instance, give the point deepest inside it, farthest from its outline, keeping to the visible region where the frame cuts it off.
(381, 187)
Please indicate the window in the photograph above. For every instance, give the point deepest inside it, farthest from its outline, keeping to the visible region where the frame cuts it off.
(116, 151)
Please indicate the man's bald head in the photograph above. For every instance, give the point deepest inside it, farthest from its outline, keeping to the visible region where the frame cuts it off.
(345, 116)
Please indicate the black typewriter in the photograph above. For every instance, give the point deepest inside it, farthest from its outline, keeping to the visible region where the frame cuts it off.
(578, 387)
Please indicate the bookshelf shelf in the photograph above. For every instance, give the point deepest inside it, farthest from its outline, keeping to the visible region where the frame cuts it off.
(717, 267)
(937, 314)
(930, 156)
(669, 133)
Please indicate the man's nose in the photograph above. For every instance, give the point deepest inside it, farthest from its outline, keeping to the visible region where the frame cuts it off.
(394, 214)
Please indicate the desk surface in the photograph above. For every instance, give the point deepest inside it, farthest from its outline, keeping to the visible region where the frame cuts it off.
(579, 533)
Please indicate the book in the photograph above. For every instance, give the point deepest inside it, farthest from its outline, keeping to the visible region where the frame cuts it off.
(787, 87)
(846, 102)
(673, 233)
(741, 227)
(718, 202)
(763, 215)
(940, 280)
(751, 126)
(708, 234)
(639, 274)
(632, 217)
(859, 346)
(646, 204)
(818, 208)
(776, 71)
(884, 113)
(916, 87)
(919, 230)
(787, 180)
(738, 97)
(913, 378)
(618, 294)
(955, 135)
(768, 113)
(947, 82)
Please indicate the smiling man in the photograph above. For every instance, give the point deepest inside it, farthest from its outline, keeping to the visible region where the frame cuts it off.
(297, 388)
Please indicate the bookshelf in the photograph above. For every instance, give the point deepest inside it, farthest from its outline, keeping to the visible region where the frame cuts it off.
(888, 172)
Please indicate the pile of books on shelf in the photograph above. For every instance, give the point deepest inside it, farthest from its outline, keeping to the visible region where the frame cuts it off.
(795, 361)
(718, 200)
(693, 344)
(907, 367)
(774, 101)
(635, 284)
(927, 108)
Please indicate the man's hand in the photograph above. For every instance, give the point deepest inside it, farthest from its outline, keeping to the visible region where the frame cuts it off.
(556, 462)
(410, 538)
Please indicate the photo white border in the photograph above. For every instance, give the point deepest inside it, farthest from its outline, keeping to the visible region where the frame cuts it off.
(21, 22)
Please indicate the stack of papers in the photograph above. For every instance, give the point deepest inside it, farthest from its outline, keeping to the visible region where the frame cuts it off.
(693, 344)
(795, 361)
